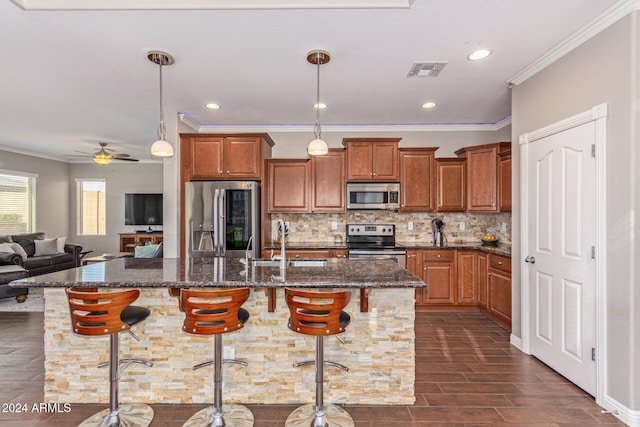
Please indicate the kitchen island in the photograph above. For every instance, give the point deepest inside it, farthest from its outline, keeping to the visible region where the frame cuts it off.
(379, 345)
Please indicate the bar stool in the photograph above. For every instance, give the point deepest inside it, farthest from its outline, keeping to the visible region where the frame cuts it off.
(216, 312)
(109, 313)
(318, 314)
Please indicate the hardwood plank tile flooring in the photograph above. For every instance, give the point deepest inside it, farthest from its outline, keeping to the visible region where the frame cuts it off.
(467, 374)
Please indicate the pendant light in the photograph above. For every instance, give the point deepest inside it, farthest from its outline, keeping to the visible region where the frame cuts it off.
(318, 147)
(161, 148)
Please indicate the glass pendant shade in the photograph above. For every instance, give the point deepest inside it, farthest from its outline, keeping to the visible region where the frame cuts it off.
(161, 148)
(317, 147)
(102, 158)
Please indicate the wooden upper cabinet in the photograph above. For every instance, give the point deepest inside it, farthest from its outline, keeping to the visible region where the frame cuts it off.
(416, 179)
(206, 161)
(504, 181)
(328, 183)
(220, 157)
(482, 175)
(372, 159)
(450, 185)
(288, 181)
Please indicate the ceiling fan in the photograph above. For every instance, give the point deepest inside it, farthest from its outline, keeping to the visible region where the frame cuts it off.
(105, 156)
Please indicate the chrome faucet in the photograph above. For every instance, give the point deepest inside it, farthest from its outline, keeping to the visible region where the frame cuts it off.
(283, 261)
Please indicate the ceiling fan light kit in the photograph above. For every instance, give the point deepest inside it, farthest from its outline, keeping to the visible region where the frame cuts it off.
(161, 148)
(318, 147)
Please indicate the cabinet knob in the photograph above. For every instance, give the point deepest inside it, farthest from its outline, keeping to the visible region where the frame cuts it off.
(297, 255)
(227, 171)
(220, 172)
(438, 255)
(374, 174)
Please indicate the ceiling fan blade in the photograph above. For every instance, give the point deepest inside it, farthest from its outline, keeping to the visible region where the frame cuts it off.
(127, 159)
(120, 155)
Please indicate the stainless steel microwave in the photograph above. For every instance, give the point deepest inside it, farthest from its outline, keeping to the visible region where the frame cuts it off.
(373, 195)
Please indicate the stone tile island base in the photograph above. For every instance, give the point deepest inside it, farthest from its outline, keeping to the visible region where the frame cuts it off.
(379, 349)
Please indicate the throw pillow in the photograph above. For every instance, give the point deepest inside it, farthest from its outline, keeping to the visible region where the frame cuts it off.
(147, 251)
(26, 241)
(61, 242)
(46, 247)
(7, 247)
(19, 250)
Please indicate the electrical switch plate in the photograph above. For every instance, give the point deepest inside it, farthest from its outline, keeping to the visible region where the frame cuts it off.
(229, 352)
(334, 225)
(462, 226)
(504, 227)
(410, 225)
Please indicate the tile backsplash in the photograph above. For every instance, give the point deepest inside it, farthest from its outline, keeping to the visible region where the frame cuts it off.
(317, 227)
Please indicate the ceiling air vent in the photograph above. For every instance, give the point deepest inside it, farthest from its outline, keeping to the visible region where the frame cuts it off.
(426, 69)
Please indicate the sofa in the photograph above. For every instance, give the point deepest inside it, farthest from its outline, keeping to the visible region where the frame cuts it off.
(31, 254)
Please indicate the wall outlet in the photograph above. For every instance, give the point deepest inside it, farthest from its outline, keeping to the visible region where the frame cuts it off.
(410, 225)
(229, 352)
(334, 225)
(504, 227)
(462, 226)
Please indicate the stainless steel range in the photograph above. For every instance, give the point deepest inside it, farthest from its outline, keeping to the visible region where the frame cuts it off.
(374, 241)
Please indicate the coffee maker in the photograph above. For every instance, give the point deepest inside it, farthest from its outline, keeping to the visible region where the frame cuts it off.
(437, 228)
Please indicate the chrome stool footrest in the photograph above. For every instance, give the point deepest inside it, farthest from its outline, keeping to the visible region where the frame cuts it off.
(212, 362)
(326, 363)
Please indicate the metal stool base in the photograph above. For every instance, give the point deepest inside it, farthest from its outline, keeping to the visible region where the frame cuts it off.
(130, 415)
(305, 416)
(234, 416)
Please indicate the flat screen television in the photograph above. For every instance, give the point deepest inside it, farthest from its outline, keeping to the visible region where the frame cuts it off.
(143, 209)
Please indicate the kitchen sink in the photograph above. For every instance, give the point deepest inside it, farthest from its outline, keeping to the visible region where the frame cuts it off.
(290, 262)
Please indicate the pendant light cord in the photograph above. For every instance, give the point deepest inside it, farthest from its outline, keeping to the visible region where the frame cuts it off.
(161, 128)
(316, 129)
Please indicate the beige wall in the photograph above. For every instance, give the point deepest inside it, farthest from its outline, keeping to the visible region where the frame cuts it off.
(52, 190)
(120, 178)
(602, 70)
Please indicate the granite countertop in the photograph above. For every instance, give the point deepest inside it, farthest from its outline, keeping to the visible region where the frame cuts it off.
(499, 249)
(307, 245)
(225, 272)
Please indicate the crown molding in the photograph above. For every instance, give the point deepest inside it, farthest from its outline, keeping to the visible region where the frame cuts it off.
(607, 18)
(454, 127)
(32, 153)
(208, 4)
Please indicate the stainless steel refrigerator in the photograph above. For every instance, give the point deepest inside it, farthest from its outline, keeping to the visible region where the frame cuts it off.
(221, 218)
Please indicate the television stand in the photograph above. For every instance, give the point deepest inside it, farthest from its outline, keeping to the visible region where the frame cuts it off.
(129, 241)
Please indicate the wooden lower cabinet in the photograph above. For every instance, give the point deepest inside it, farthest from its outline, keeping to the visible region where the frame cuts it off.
(467, 277)
(482, 277)
(129, 241)
(439, 272)
(499, 290)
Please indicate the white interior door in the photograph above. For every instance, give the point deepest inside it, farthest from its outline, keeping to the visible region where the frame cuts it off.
(561, 236)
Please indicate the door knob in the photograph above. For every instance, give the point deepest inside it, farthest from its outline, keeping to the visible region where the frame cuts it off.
(530, 259)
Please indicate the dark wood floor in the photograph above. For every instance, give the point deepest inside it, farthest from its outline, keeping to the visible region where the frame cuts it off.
(467, 375)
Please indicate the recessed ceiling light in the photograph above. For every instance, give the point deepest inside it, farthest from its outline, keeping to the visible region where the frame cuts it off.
(479, 54)
(320, 106)
(429, 105)
(212, 106)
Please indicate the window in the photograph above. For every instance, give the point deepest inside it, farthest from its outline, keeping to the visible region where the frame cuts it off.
(91, 207)
(17, 202)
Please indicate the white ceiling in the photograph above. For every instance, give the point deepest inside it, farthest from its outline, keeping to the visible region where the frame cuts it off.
(69, 79)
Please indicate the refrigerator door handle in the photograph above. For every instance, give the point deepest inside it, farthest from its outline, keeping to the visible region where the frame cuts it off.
(216, 232)
(222, 226)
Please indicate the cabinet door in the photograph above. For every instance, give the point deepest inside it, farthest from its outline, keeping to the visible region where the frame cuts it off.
(416, 176)
(439, 273)
(128, 242)
(504, 182)
(482, 175)
(500, 297)
(413, 264)
(242, 157)
(450, 185)
(384, 161)
(359, 161)
(467, 277)
(206, 158)
(328, 182)
(482, 276)
(288, 185)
